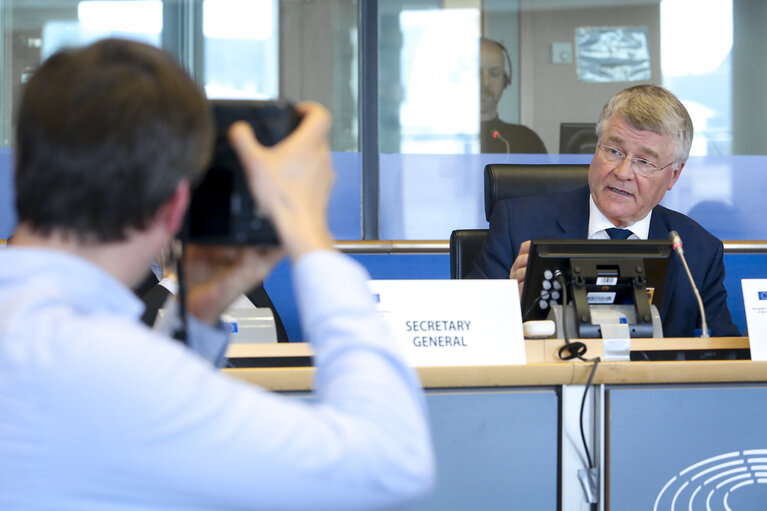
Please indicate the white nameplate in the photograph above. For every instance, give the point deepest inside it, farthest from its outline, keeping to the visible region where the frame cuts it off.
(755, 302)
(454, 322)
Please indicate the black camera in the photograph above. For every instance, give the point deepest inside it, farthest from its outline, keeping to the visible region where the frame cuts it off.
(222, 210)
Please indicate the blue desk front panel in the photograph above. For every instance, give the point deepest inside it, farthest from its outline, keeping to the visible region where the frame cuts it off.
(496, 450)
(686, 447)
(7, 197)
(279, 285)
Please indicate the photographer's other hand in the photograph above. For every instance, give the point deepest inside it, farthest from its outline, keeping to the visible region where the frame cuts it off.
(291, 181)
(217, 275)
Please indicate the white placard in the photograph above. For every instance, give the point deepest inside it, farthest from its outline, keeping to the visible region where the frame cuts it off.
(454, 322)
(755, 302)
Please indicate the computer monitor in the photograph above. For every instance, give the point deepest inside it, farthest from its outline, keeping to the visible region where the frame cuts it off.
(596, 272)
(578, 138)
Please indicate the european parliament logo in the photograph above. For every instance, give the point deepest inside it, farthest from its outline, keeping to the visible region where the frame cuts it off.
(763, 295)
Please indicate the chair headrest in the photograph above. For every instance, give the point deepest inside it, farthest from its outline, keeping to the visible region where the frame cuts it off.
(512, 180)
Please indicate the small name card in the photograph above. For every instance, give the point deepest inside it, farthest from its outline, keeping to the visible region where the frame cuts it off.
(755, 302)
(454, 322)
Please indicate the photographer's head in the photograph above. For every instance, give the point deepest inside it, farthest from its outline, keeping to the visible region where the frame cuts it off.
(109, 139)
(105, 134)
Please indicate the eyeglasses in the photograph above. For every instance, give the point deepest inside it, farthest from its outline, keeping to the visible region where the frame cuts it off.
(638, 165)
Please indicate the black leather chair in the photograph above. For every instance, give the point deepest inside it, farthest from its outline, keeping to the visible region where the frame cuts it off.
(509, 181)
(261, 299)
(465, 245)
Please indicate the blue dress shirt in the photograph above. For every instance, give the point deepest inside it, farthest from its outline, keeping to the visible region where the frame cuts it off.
(99, 412)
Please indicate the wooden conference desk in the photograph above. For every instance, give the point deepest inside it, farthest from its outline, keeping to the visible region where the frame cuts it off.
(507, 437)
(543, 367)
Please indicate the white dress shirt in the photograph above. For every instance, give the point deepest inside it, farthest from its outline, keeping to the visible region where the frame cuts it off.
(598, 223)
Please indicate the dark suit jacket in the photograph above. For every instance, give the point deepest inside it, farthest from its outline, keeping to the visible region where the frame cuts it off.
(566, 216)
(153, 300)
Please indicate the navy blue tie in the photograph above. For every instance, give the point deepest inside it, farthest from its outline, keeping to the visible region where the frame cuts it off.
(618, 234)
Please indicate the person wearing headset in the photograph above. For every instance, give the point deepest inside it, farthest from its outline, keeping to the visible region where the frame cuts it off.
(496, 135)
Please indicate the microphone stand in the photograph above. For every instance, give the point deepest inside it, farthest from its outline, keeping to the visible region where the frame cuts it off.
(497, 134)
(677, 245)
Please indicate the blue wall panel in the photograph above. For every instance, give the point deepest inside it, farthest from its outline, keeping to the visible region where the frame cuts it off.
(344, 210)
(345, 220)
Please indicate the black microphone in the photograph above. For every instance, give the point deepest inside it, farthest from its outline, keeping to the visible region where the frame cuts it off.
(497, 134)
(677, 245)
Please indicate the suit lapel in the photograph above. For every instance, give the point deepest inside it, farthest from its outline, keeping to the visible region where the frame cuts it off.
(659, 229)
(573, 214)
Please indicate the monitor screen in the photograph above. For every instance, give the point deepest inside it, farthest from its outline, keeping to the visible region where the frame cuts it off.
(596, 272)
(577, 138)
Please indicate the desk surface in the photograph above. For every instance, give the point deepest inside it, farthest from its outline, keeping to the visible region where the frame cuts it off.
(542, 368)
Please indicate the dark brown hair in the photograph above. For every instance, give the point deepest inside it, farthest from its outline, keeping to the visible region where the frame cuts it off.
(104, 135)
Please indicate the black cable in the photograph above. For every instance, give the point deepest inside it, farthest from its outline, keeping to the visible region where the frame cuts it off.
(532, 306)
(569, 350)
(583, 405)
(181, 331)
(572, 350)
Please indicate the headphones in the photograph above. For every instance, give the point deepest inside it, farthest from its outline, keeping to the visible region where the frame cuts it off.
(506, 57)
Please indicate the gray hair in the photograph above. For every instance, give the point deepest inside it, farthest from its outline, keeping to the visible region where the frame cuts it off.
(652, 108)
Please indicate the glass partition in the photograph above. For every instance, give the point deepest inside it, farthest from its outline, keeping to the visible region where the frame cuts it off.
(458, 84)
(235, 48)
(556, 64)
(241, 48)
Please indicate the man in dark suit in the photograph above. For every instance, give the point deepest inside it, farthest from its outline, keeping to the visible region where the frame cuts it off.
(645, 135)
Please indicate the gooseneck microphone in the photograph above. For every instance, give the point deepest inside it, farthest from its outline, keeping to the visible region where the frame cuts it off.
(497, 134)
(677, 245)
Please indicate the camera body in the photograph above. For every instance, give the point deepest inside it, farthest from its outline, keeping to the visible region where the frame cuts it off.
(222, 210)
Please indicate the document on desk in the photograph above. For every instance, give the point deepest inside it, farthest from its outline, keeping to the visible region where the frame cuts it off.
(755, 302)
(454, 322)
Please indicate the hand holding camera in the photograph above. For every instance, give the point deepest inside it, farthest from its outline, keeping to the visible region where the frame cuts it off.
(282, 160)
(292, 181)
